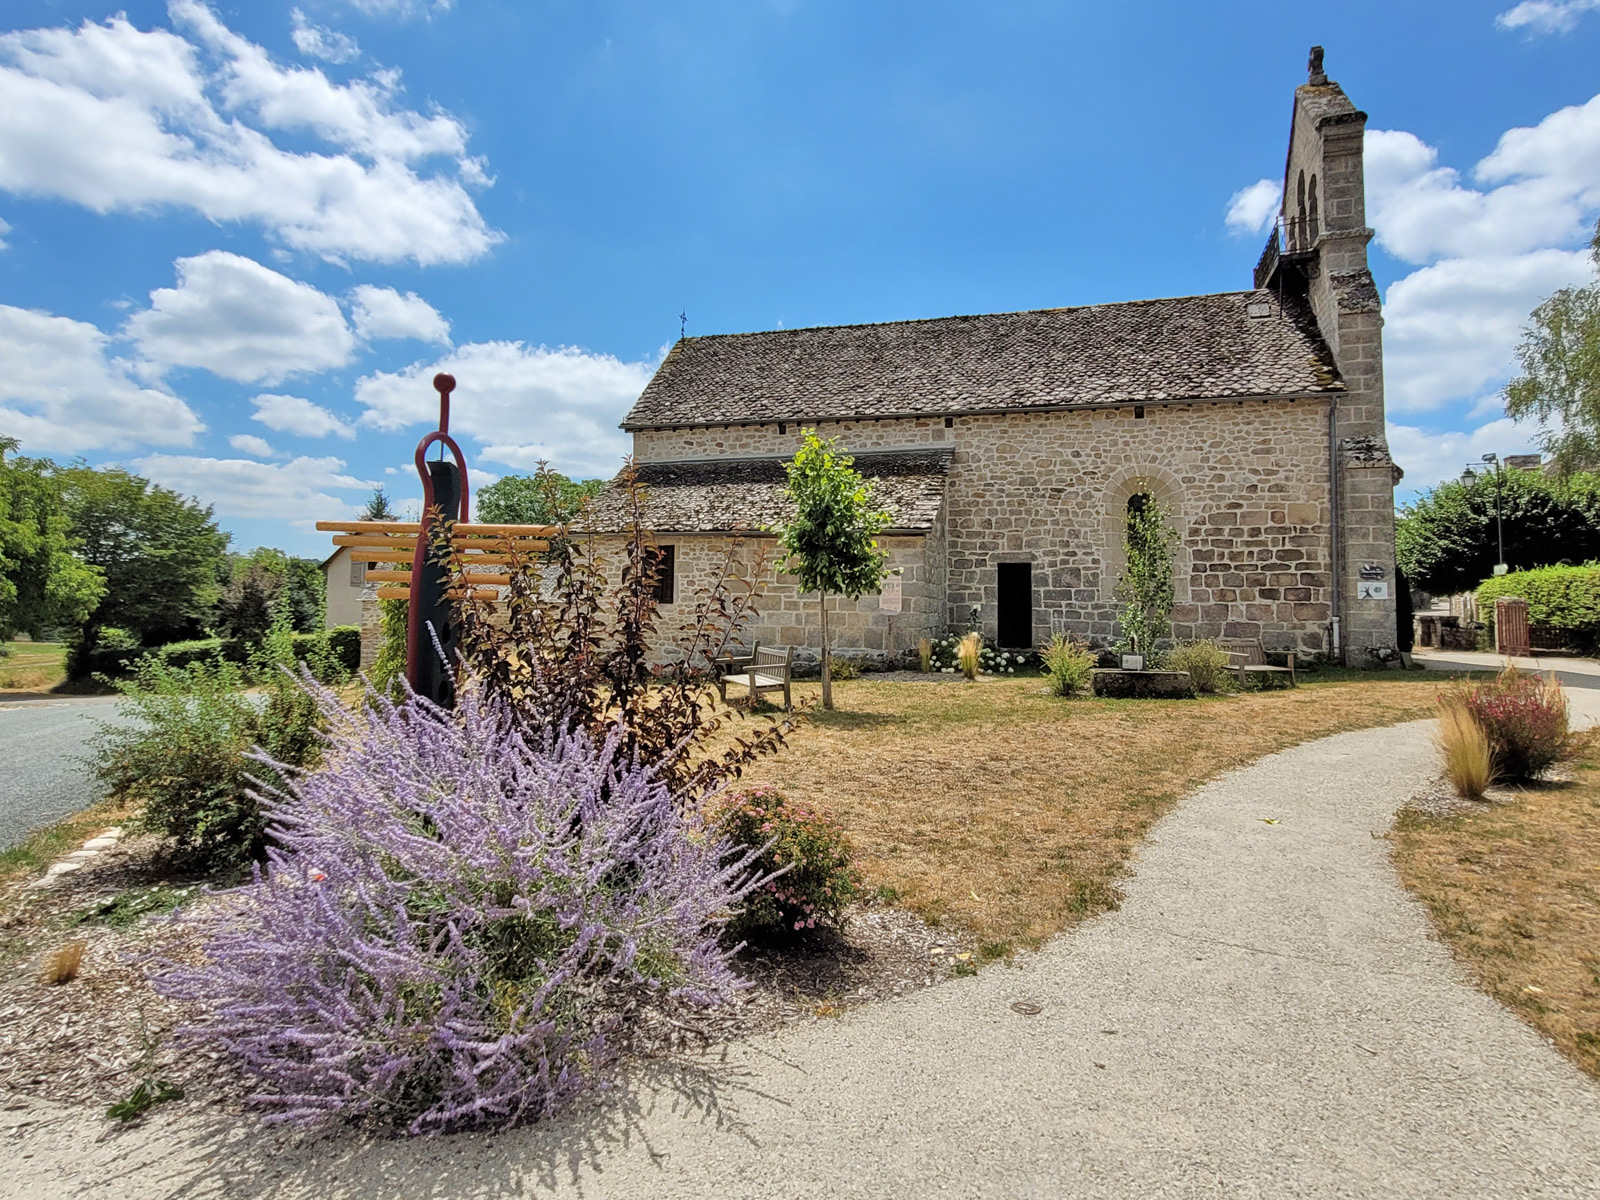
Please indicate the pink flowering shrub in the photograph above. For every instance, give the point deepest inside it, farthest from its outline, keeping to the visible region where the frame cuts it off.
(802, 856)
(1525, 719)
(451, 915)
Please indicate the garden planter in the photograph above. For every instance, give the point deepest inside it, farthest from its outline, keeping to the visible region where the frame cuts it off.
(1117, 684)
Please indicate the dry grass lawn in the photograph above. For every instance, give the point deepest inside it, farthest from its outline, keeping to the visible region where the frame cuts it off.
(33, 666)
(1514, 889)
(1013, 813)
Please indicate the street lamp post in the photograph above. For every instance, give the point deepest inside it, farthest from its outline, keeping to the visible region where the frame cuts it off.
(1467, 477)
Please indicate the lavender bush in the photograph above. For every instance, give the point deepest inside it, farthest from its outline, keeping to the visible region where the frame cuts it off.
(450, 916)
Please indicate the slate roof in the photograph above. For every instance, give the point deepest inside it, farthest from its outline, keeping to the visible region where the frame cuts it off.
(747, 493)
(1188, 348)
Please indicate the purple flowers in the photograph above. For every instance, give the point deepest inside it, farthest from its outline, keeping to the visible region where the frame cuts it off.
(450, 917)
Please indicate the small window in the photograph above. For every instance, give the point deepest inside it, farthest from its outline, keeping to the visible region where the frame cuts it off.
(358, 572)
(1138, 412)
(949, 422)
(782, 429)
(666, 573)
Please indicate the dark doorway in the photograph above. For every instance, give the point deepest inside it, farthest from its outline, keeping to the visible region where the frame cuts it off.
(1016, 605)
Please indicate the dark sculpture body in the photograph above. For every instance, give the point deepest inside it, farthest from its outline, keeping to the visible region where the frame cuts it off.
(431, 636)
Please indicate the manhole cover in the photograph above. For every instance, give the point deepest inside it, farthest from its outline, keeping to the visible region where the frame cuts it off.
(1027, 1008)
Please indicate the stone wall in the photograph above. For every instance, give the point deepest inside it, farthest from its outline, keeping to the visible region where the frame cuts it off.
(785, 617)
(1248, 483)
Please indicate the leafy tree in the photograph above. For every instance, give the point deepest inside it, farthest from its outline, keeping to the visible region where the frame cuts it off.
(266, 584)
(377, 507)
(161, 555)
(832, 542)
(1145, 588)
(43, 583)
(1445, 541)
(548, 498)
(1560, 381)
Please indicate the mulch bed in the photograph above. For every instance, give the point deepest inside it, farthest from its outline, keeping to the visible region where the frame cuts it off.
(92, 1040)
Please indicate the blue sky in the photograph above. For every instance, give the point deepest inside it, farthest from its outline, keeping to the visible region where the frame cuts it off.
(239, 239)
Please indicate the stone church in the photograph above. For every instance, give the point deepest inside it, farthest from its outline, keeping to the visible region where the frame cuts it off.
(1008, 447)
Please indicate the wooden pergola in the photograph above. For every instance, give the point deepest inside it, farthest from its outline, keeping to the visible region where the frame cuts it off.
(481, 552)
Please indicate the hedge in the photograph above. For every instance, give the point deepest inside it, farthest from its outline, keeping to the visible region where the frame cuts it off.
(344, 640)
(1560, 598)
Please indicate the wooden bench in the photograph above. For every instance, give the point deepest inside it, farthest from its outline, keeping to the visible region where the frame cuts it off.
(768, 669)
(1247, 656)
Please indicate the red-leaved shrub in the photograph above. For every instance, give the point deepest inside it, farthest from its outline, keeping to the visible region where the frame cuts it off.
(803, 856)
(1525, 719)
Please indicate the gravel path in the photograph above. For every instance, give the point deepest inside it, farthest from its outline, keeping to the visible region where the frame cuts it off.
(1265, 1016)
(40, 744)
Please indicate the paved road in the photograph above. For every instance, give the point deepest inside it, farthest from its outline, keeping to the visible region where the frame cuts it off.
(40, 778)
(1266, 1015)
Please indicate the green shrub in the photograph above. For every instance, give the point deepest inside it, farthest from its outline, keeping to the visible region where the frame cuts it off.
(183, 758)
(345, 643)
(1068, 664)
(390, 665)
(182, 654)
(808, 846)
(186, 756)
(1561, 598)
(1206, 662)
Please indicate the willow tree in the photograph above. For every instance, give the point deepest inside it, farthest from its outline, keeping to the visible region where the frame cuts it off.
(831, 544)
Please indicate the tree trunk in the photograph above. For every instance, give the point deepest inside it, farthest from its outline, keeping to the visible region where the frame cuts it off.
(827, 657)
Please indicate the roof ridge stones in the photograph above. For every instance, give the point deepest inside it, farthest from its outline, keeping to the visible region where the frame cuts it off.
(1186, 348)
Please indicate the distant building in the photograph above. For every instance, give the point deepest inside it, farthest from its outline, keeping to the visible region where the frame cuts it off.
(344, 580)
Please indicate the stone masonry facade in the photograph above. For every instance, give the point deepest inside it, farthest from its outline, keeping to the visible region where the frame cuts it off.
(1247, 483)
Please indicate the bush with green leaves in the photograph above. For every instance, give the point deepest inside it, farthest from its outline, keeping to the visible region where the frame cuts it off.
(1206, 662)
(185, 757)
(1564, 599)
(1068, 663)
(802, 852)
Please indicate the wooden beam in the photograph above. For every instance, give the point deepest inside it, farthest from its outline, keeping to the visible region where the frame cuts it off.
(377, 542)
(400, 593)
(406, 556)
(497, 579)
(413, 528)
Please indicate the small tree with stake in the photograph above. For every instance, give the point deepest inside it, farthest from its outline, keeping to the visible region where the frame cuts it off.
(1145, 590)
(831, 544)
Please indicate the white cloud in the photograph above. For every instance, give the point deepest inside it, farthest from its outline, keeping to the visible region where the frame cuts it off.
(119, 119)
(4, 229)
(385, 313)
(301, 491)
(522, 403)
(59, 390)
(241, 320)
(249, 443)
(1546, 16)
(1430, 458)
(318, 41)
(400, 8)
(1251, 209)
(291, 414)
(1450, 329)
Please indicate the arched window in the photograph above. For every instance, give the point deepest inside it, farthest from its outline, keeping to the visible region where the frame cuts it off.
(1298, 240)
(1311, 213)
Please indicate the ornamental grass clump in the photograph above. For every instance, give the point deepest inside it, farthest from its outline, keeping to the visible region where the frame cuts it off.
(803, 858)
(969, 654)
(1468, 763)
(1068, 663)
(452, 916)
(1207, 663)
(1524, 718)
